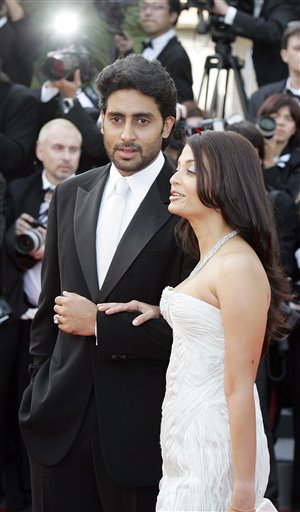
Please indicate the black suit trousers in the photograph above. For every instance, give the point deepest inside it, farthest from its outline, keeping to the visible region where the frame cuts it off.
(80, 482)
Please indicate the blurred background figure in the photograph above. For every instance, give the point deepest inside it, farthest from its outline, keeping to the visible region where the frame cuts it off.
(64, 95)
(58, 150)
(281, 162)
(19, 42)
(288, 234)
(264, 26)
(282, 171)
(290, 54)
(158, 19)
(19, 117)
(189, 118)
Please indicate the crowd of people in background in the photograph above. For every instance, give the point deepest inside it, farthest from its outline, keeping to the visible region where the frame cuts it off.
(50, 133)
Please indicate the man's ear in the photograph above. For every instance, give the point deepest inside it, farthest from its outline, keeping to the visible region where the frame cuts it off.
(39, 151)
(283, 55)
(168, 126)
(102, 121)
(174, 17)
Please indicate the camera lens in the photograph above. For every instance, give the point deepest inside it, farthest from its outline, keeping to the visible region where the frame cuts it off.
(29, 241)
(267, 126)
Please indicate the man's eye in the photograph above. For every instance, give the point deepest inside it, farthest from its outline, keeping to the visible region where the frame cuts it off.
(143, 121)
(116, 119)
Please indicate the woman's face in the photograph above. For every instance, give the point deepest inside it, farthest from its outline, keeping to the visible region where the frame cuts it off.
(285, 125)
(184, 199)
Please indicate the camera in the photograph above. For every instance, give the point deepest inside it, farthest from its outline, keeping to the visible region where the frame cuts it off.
(31, 240)
(266, 126)
(215, 124)
(207, 124)
(62, 63)
(207, 5)
(220, 32)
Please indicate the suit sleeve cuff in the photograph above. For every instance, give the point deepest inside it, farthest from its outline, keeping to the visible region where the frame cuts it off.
(230, 15)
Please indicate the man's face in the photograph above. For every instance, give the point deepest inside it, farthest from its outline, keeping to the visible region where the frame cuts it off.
(133, 130)
(59, 153)
(291, 55)
(155, 17)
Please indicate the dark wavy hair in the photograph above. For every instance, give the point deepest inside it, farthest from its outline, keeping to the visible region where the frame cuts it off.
(136, 72)
(232, 183)
(275, 102)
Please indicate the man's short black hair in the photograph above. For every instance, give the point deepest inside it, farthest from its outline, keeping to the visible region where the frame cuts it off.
(293, 29)
(136, 72)
(175, 6)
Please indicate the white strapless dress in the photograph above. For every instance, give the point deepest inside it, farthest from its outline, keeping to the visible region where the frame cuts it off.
(195, 437)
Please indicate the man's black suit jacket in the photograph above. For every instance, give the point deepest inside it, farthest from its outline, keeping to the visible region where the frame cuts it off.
(266, 33)
(24, 195)
(19, 116)
(176, 61)
(127, 368)
(261, 95)
(93, 152)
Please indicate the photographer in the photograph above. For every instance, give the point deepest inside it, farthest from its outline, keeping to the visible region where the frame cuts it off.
(282, 152)
(19, 42)
(58, 149)
(265, 28)
(64, 95)
(19, 115)
(158, 20)
(290, 54)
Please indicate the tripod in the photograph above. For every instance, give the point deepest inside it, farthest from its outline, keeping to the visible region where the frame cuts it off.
(222, 60)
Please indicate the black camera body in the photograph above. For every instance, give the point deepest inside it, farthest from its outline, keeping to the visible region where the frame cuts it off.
(267, 126)
(220, 32)
(207, 5)
(31, 240)
(215, 124)
(63, 63)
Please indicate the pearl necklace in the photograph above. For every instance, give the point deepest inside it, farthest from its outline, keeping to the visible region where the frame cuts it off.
(212, 252)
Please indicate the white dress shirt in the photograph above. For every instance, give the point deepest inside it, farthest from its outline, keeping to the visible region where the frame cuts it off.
(32, 277)
(139, 184)
(158, 44)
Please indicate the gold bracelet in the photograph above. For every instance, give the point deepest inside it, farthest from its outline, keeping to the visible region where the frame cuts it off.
(242, 510)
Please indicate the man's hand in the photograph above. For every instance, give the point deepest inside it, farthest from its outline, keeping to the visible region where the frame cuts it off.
(66, 88)
(75, 314)
(14, 10)
(23, 224)
(271, 152)
(220, 7)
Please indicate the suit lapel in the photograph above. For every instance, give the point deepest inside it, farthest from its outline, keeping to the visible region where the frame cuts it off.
(162, 57)
(85, 225)
(149, 218)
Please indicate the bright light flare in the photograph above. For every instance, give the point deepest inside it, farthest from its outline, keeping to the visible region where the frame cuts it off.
(66, 23)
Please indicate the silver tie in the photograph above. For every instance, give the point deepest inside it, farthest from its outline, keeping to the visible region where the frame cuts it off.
(113, 219)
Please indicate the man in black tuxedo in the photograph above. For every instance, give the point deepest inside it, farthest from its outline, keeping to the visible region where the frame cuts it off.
(158, 20)
(19, 113)
(91, 415)
(265, 28)
(58, 150)
(290, 54)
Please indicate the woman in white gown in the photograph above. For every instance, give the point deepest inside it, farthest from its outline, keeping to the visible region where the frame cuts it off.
(214, 449)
